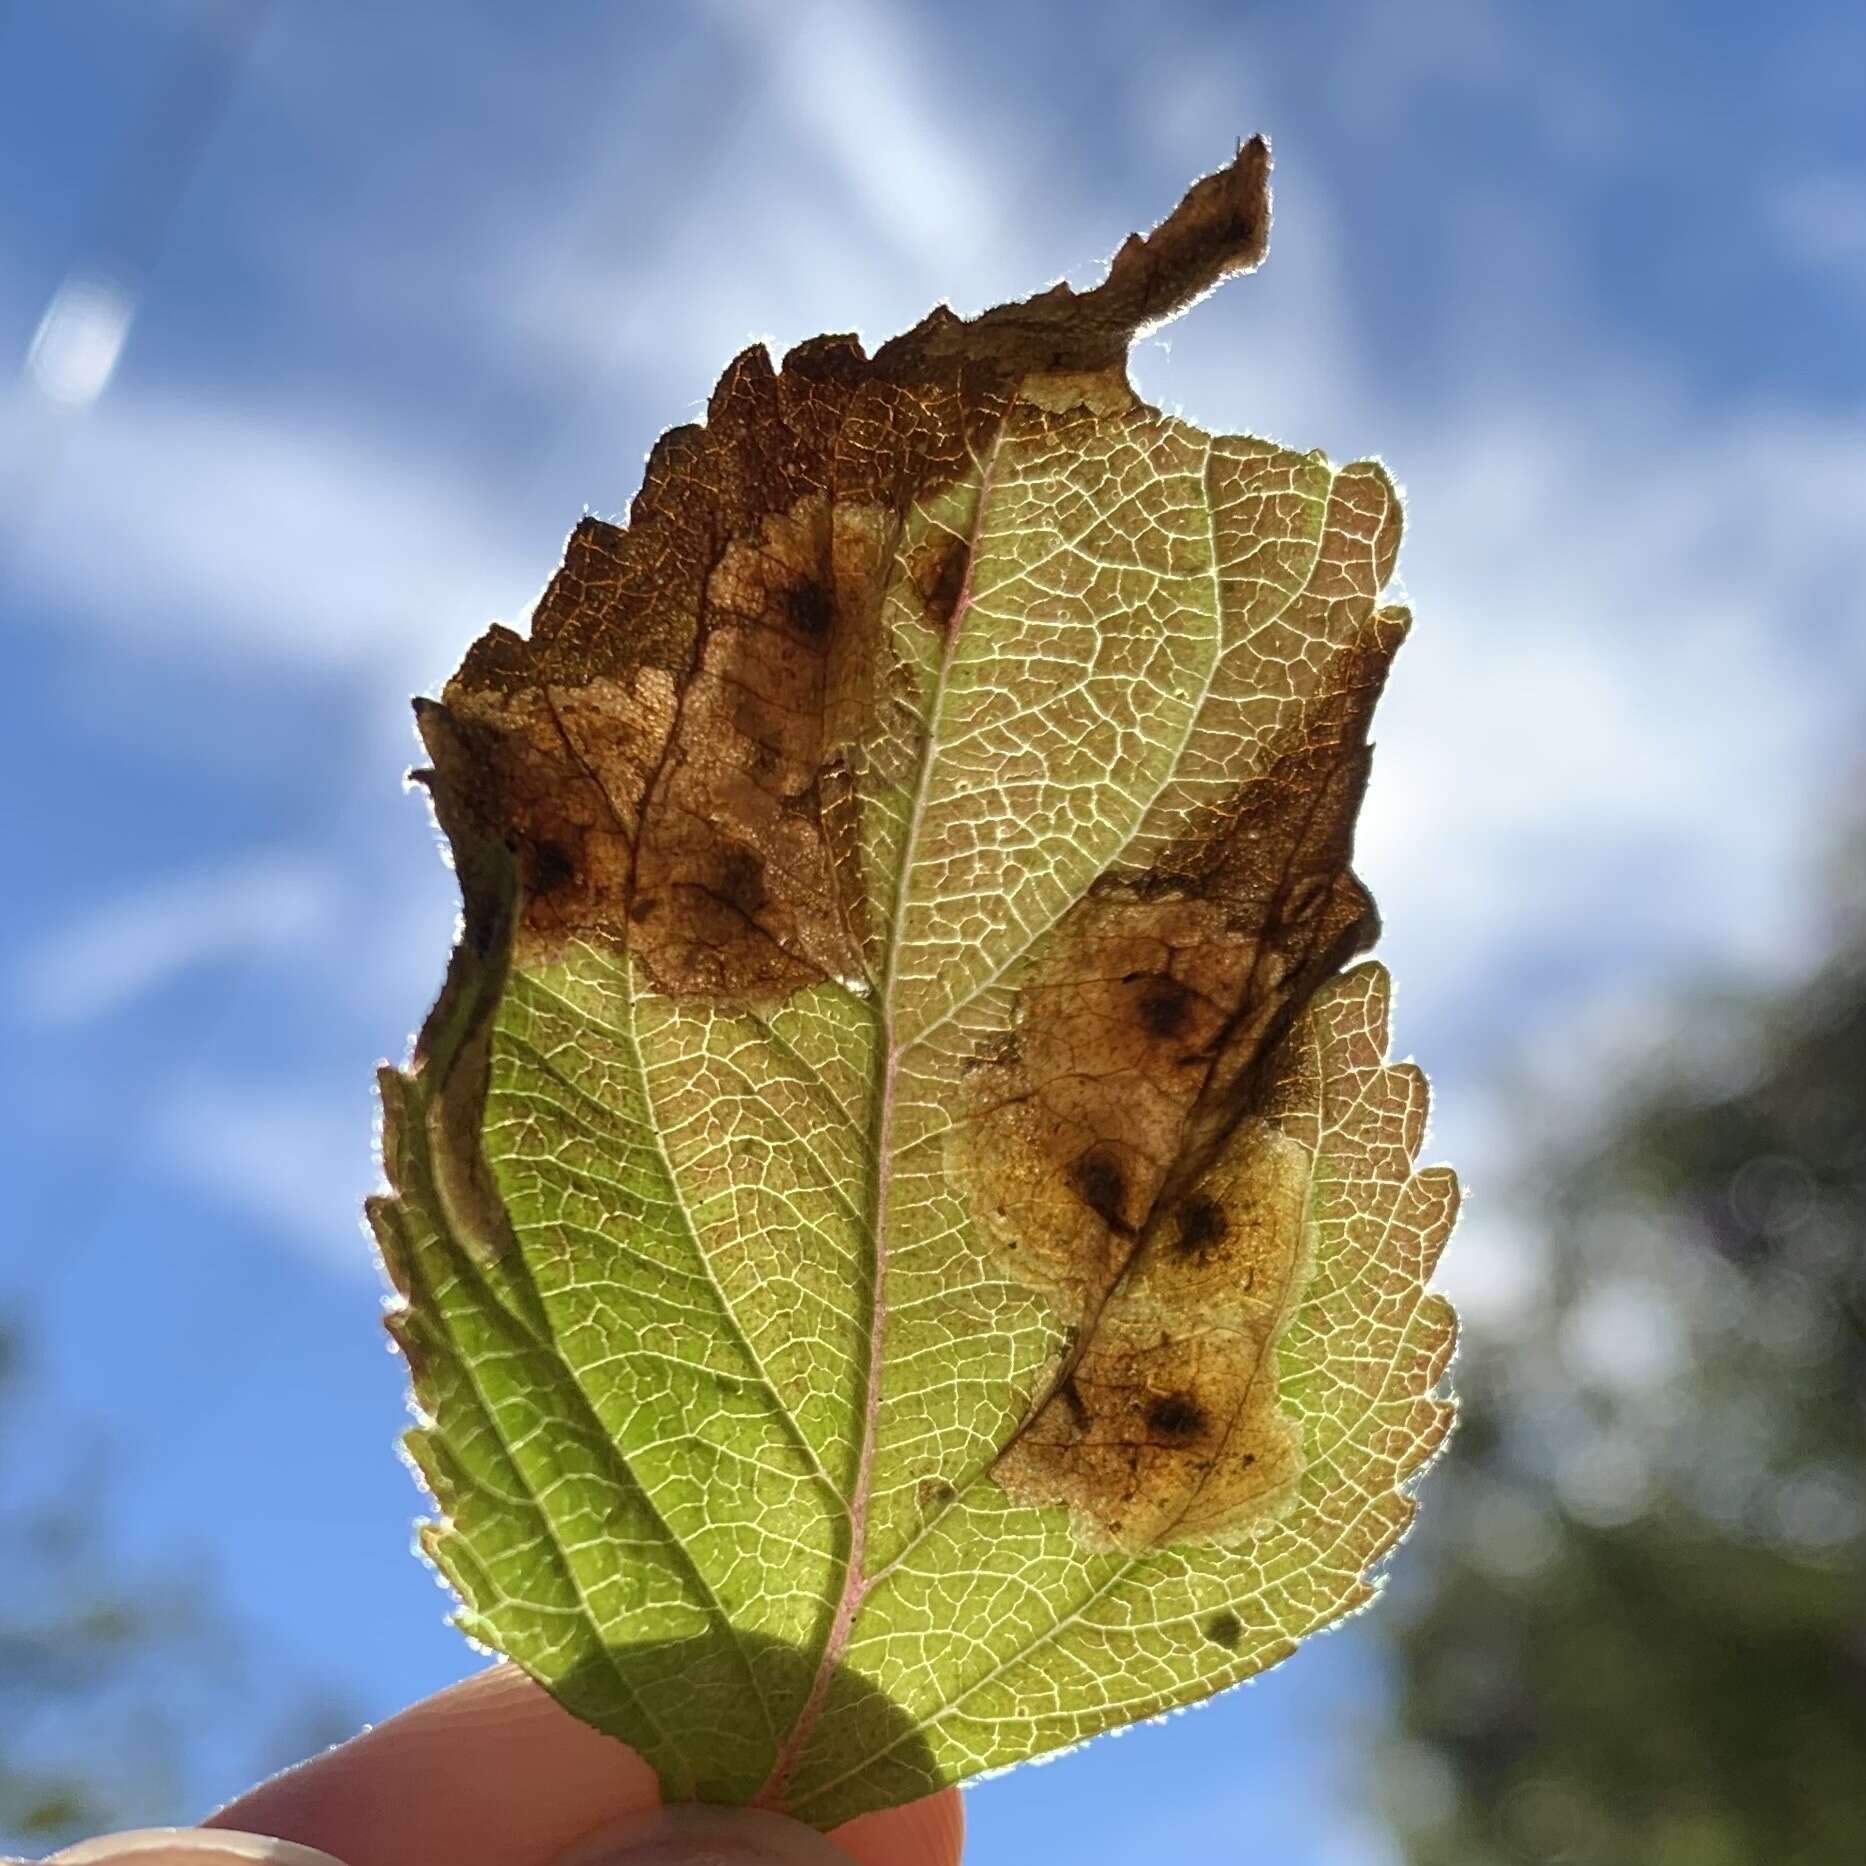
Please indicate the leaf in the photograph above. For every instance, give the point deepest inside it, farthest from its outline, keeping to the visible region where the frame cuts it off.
(910, 1246)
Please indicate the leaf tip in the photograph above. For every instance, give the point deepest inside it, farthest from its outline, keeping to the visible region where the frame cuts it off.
(1220, 228)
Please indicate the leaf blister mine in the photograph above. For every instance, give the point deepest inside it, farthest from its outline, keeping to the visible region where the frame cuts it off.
(870, 1193)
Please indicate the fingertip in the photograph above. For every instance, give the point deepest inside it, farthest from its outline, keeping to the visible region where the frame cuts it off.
(929, 1832)
(491, 1772)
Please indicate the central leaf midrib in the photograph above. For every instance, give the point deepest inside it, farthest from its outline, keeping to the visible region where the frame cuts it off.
(880, 1177)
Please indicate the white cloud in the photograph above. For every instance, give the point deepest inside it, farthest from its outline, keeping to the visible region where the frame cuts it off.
(126, 948)
(298, 1162)
(857, 87)
(1819, 220)
(1623, 717)
(306, 532)
(287, 533)
(675, 325)
(880, 189)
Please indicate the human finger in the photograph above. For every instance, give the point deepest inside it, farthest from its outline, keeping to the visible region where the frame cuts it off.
(493, 1772)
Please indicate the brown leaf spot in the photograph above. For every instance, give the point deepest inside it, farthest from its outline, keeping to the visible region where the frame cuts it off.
(1200, 1228)
(1100, 1181)
(551, 867)
(1165, 1007)
(1225, 1629)
(941, 582)
(741, 883)
(806, 606)
(1176, 1417)
(405, 1331)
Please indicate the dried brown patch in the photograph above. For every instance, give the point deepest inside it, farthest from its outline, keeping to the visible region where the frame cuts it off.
(1174, 1432)
(1144, 1029)
(670, 752)
(1143, 1021)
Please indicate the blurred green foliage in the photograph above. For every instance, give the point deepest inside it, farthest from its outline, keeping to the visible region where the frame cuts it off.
(98, 1664)
(128, 1695)
(1633, 1625)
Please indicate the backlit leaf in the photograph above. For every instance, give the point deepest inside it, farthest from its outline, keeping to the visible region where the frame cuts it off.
(910, 1239)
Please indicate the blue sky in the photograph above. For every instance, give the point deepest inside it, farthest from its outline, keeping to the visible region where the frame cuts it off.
(402, 291)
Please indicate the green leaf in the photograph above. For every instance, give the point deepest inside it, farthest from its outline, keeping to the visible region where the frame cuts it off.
(910, 1243)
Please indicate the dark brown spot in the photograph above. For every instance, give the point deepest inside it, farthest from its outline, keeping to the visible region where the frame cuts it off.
(644, 907)
(1165, 1007)
(807, 607)
(1100, 1183)
(941, 590)
(1176, 1417)
(1202, 1228)
(805, 802)
(551, 867)
(742, 881)
(1225, 1629)
(1071, 1395)
(935, 1493)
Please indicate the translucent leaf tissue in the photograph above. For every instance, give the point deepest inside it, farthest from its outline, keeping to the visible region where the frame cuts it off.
(909, 1241)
